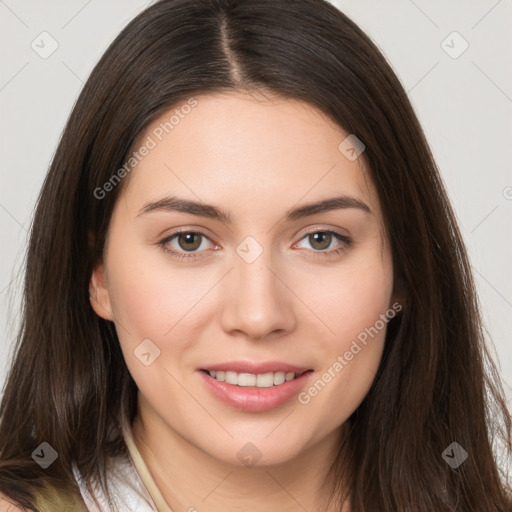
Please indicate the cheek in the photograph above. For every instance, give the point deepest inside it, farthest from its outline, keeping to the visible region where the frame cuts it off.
(146, 301)
(140, 300)
(152, 311)
(149, 296)
(154, 300)
(356, 308)
(349, 300)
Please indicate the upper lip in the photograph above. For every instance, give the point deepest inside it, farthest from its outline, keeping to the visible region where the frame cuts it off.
(256, 368)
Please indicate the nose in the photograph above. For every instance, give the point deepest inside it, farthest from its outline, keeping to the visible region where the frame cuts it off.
(256, 300)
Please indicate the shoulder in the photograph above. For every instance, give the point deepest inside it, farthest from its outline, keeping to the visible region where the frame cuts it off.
(8, 505)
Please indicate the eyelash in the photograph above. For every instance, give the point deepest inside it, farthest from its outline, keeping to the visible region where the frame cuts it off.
(346, 243)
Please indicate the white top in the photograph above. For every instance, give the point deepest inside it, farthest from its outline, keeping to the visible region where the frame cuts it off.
(130, 483)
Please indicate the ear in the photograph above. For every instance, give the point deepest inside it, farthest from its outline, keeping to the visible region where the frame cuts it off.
(99, 294)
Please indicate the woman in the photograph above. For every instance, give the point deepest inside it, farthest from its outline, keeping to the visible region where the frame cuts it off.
(245, 285)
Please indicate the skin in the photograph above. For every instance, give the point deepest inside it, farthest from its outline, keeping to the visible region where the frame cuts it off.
(255, 157)
(6, 505)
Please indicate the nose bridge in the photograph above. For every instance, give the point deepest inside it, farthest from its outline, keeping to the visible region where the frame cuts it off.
(258, 303)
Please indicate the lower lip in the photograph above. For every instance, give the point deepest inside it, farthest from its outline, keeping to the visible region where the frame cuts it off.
(253, 399)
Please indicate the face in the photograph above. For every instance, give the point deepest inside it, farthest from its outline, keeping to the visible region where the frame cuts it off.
(217, 303)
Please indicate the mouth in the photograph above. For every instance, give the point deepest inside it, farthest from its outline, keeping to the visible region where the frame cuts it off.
(259, 380)
(257, 390)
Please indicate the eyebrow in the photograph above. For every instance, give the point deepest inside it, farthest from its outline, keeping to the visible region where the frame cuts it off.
(177, 204)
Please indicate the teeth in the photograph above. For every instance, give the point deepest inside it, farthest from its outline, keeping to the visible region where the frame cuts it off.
(265, 380)
(231, 378)
(246, 379)
(262, 380)
(280, 377)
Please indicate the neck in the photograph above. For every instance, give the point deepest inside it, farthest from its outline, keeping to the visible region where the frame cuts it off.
(191, 480)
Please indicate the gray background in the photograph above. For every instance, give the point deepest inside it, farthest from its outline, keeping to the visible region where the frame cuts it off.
(463, 100)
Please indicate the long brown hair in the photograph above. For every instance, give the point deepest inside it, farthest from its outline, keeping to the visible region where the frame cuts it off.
(68, 384)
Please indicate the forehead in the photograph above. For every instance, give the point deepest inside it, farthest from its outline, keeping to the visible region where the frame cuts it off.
(251, 152)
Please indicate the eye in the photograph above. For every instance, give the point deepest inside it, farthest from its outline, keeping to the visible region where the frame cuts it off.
(323, 239)
(187, 241)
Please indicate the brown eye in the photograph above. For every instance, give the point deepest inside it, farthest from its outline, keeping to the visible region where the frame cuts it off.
(184, 244)
(189, 241)
(320, 240)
